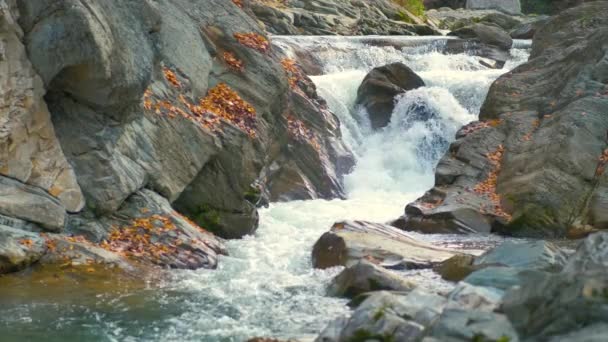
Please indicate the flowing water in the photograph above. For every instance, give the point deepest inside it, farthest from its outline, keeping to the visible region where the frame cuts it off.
(267, 287)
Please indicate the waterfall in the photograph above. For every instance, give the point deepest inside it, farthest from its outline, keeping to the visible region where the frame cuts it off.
(267, 287)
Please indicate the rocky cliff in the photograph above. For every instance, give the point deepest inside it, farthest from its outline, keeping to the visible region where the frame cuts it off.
(118, 115)
(535, 163)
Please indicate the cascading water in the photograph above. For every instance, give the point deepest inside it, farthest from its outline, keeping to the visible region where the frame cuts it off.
(266, 287)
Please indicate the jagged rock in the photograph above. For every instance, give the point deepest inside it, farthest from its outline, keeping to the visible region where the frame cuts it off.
(29, 150)
(380, 86)
(19, 249)
(537, 255)
(349, 242)
(124, 108)
(557, 304)
(467, 296)
(473, 325)
(591, 254)
(526, 30)
(593, 333)
(534, 166)
(348, 17)
(387, 316)
(483, 40)
(32, 204)
(507, 6)
(366, 277)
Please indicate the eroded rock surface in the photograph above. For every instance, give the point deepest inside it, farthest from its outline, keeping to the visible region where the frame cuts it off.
(535, 163)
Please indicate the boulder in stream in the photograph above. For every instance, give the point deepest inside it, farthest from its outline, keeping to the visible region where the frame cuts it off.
(380, 86)
(365, 276)
(349, 242)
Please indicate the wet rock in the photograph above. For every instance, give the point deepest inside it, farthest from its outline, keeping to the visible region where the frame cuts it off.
(436, 4)
(467, 296)
(19, 249)
(387, 316)
(557, 304)
(593, 333)
(526, 30)
(502, 278)
(378, 90)
(484, 40)
(591, 254)
(366, 277)
(471, 325)
(537, 255)
(349, 242)
(536, 120)
(507, 6)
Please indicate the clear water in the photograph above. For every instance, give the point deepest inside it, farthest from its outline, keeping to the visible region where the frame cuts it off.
(266, 287)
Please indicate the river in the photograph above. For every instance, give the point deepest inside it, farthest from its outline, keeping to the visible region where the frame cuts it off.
(266, 287)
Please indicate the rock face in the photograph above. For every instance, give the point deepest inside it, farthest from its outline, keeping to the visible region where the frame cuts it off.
(380, 86)
(535, 163)
(154, 106)
(507, 6)
(349, 242)
(345, 17)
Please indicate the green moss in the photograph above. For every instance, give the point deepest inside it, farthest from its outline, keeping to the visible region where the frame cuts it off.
(362, 335)
(253, 195)
(209, 218)
(416, 7)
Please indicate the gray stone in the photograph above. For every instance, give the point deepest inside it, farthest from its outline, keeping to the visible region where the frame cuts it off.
(349, 242)
(545, 130)
(29, 149)
(507, 6)
(31, 204)
(366, 277)
(467, 296)
(591, 255)
(19, 249)
(502, 278)
(538, 255)
(593, 333)
(472, 325)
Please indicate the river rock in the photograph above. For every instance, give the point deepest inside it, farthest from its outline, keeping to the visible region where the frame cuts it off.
(557, 304)
(456, 268)
(537, 255)
(536, 119)
(19, 249)
(363, 277)
(436, 4)
(467, 296)
(591, 254)
(473, 325)
(349, 242)
(507, 6)
(387, 316)
(497, 277)
(484, 40)
(380, 86)
(348, 17)
(593, 333)
(526, 30)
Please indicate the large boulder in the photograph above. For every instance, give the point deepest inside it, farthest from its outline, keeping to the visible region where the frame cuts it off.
(527, 29)
(472, 325)
(349, 242)
(380, 86)
(19, 249)
(180, 105)
(507, 6)
(535, 164)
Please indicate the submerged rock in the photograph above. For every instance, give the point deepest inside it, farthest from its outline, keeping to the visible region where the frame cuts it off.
(380, 86)
(349, 242)
(534, 165)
